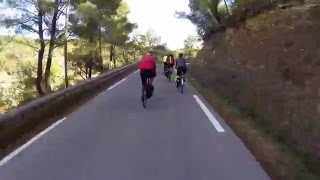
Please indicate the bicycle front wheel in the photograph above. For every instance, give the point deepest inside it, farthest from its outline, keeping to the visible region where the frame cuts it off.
(144, 98)
(181, 84)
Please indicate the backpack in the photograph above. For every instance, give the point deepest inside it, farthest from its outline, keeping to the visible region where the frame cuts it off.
(149, 90)
(170, 60)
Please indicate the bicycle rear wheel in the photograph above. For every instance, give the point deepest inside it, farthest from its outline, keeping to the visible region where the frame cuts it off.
(144, 101)
(144, 95)
(181, 85)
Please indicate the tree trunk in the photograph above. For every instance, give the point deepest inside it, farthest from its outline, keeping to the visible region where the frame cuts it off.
(218, 17)
(100, 43)
(225, 3)
(66, 46)
(214, 9)
(124, 56)
(111, 54)
(51, 46)
(40, 53)
(114, 58)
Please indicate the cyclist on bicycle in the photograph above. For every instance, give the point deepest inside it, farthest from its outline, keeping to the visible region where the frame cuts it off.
(181, 66)
(147, 69)
(170, 62)
(164, 63)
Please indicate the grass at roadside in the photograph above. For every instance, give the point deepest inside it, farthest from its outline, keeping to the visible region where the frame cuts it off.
(276, 156)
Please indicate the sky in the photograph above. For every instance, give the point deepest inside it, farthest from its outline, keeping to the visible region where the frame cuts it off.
(158, 15)
(8, 12)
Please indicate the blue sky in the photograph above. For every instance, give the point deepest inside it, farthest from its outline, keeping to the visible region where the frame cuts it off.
(5, 11)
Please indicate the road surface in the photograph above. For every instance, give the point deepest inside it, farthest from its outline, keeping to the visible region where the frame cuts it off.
(178, 137)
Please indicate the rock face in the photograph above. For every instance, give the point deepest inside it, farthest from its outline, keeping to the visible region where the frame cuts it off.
(271, 69)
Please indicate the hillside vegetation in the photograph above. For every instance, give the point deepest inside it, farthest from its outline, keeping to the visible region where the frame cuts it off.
(18, 68)
(268, 65)
(94, 39)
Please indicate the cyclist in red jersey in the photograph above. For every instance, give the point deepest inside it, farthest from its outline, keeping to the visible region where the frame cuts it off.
(147, 68)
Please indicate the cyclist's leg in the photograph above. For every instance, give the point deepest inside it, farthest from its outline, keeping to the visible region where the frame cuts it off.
(184, 72)
(152, 75)
(143, 79)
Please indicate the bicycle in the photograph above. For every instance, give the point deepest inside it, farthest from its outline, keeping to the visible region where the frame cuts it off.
(180, 82)
(169, 73)
(165, 69)
(144, 94)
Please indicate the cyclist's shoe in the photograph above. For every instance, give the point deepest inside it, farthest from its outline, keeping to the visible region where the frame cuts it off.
(177, 83)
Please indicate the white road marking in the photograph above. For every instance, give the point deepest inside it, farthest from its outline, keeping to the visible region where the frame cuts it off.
(23, 147)
(213, 120)
(116, 84)
(136, 71)
(27, 144)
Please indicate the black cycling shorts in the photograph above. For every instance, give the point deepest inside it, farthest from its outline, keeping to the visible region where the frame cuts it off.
(181, 69)
(170, 65)
(147, 73)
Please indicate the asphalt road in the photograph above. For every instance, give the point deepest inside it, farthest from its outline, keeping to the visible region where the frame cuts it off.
(178, 137)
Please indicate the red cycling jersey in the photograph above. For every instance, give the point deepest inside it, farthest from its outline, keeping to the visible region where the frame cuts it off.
(148, 62)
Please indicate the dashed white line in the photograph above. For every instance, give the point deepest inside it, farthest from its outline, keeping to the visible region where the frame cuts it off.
(213, 120)
(137, 71)
(23, 147)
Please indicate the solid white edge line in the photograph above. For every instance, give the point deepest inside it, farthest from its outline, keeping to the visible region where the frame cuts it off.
(116, 84)
(24, 146)
(213, 120)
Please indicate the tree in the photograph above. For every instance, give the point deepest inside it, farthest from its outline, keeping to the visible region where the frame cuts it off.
(105, 10)
(226, 6)
(38, 17)
(204, 14)
(190, 43)
(136, 46)
(28, 21)
(118, 29)
(85, 25)
(150, 39)
(53, 10)
(66, 29)
(210, 6)
(3, 44)
(160, 50)
(108, 19)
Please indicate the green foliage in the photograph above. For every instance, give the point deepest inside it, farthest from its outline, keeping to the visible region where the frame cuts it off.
(118, 26)
(204, 14)
(18, 68)
(88, 18)
(210, 15)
